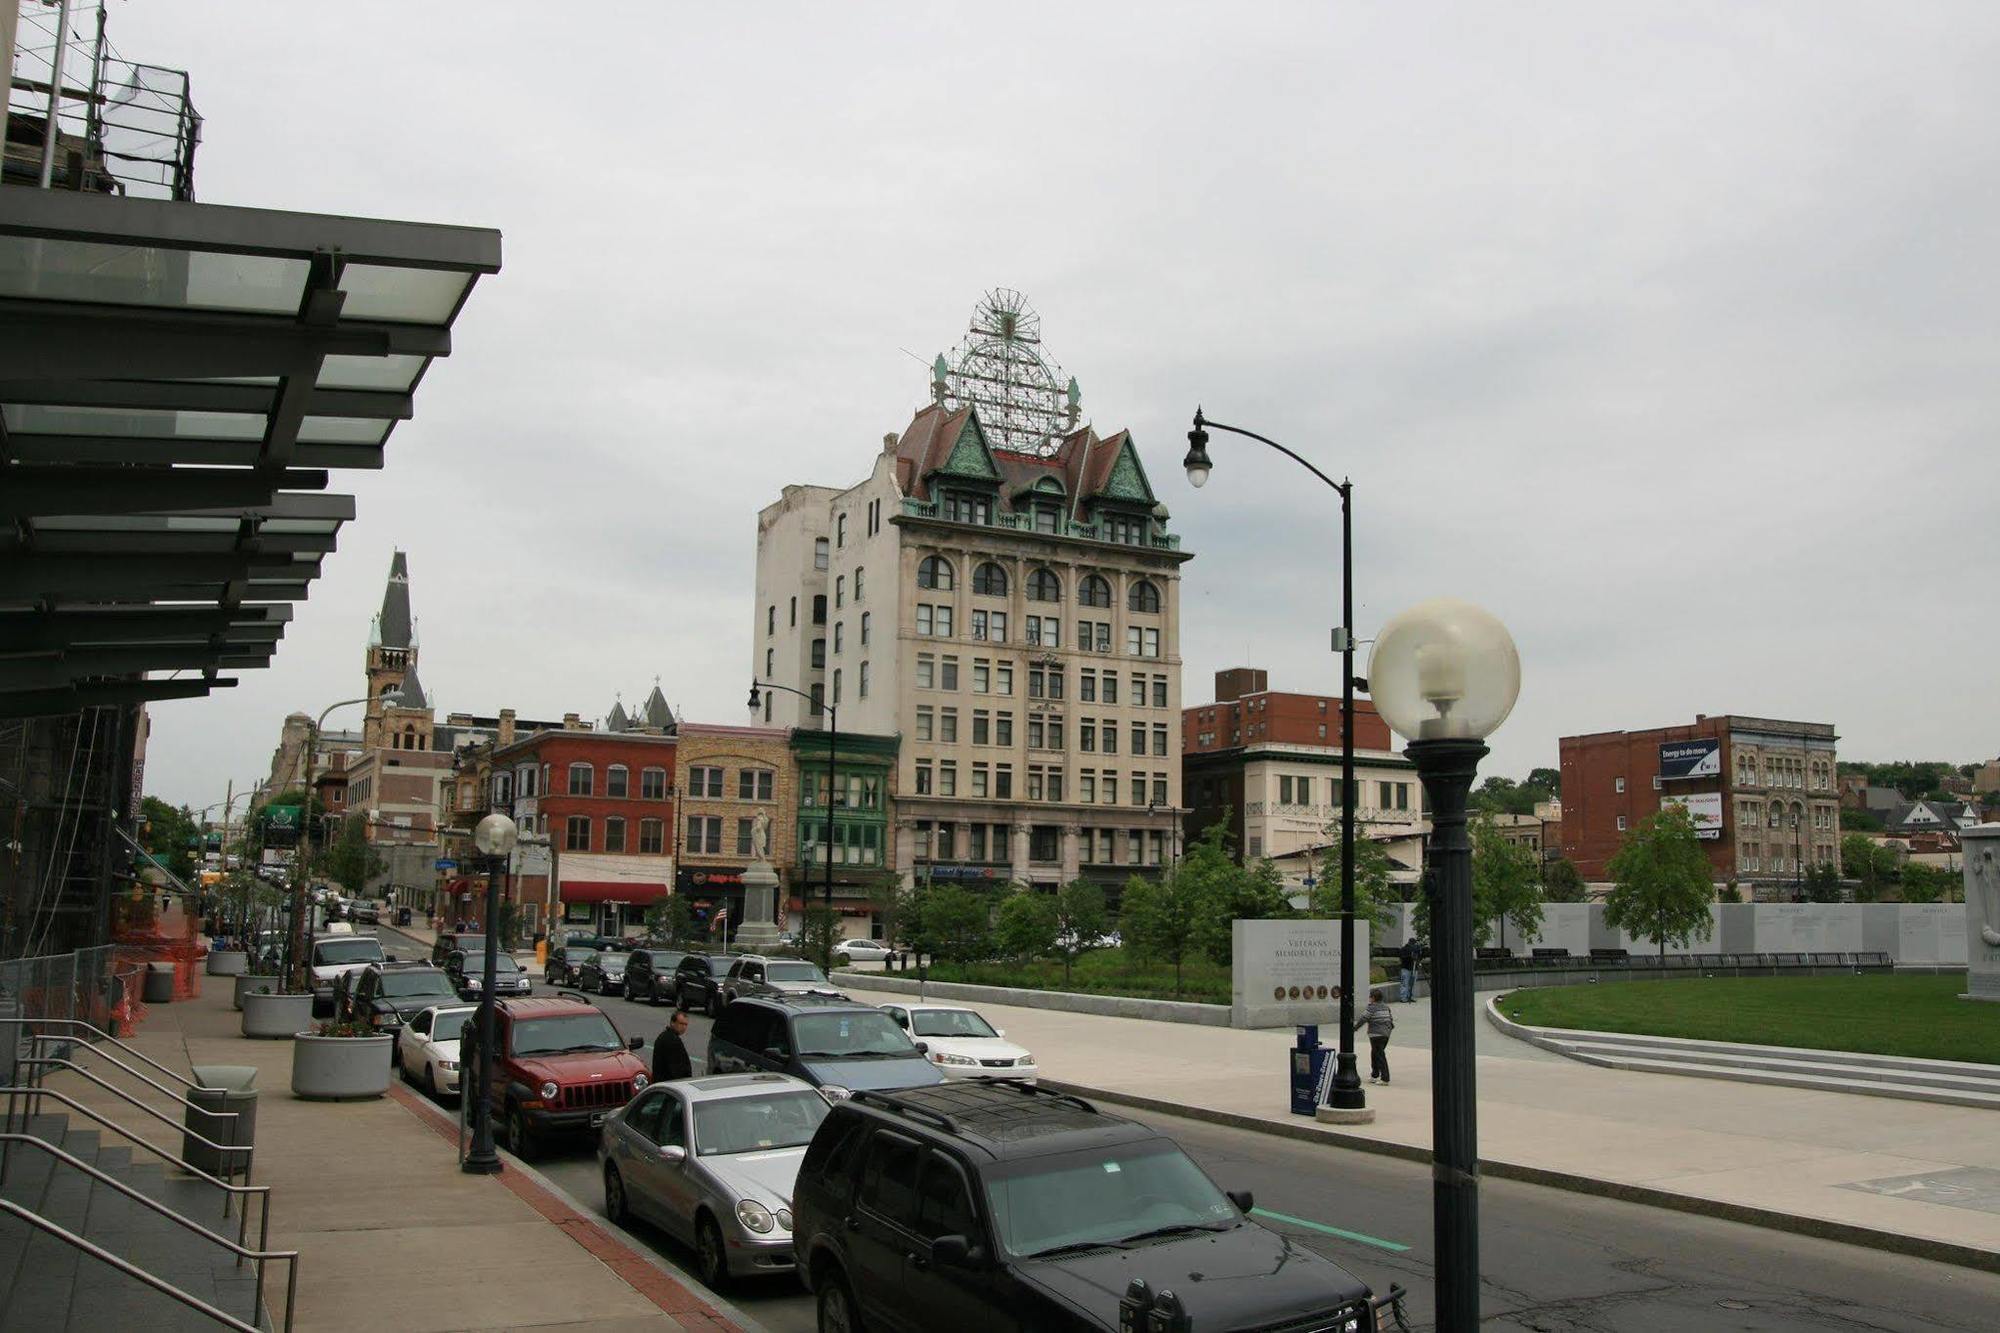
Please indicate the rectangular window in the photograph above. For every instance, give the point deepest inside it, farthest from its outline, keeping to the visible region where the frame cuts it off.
(1003, 677)
(617, 780)
(795, 613)
(982, 676)
(1055, 784)
(1138, 738)
(1402, 796)
(1003, 729)
(1138, 789)
(819, 608)
(836, 687)
(704, 781)
(982, 727)
(926, 724)
(1159, 691)
(580, 779)
(614, 835)
(1086, 736)
(943, 850)
(1285, 791)
(743, 837)
(1086, 787)
(839, 591)
(863, 690)
(975, 836)
(1156, 844)
(770, 620)
(1110, 736)
(1034, 782)
(1111, 687)
(981, 779)
(1003, 782)
(948, 725)
(1621, 823)
(1160, 740)
(1617, 784)
(652, 836)
(1141, 642)
(653, 784)
(926, 671)
(576, 833)
(1110, 788)
(948, 674)
(839, 635)
(1044, 843)
(1135, 846)
(1159, 789)
(1086, 686)
(1138, 690)
(754, 784)
(819, 553)
(819, 655)
(1055, 733)
(1035, 733)
(923, 777)
(1305, 786)
(1105, 856)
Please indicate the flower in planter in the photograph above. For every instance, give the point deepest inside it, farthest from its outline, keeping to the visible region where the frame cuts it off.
(346, 1027)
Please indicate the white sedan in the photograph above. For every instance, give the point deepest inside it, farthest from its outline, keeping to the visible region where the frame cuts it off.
(961, 1043)
(427, 1048)
(861, 951)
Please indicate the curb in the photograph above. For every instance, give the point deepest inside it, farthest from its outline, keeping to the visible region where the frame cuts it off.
(1848, 1233)
(677, 1293)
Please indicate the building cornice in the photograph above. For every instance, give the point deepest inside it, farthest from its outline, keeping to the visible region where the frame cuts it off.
(1023, 536)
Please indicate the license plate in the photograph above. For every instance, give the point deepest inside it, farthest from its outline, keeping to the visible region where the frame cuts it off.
(596, 1119)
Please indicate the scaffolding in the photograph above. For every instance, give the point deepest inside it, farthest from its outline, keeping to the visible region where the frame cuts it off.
(1024, 404)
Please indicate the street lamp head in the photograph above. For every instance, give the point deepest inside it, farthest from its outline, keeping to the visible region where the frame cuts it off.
(756, 700)
(495, 835)
(1197, 461)
(1444, 670)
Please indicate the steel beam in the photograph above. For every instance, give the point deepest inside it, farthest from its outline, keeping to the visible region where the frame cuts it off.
(28, 490)
(45, 703)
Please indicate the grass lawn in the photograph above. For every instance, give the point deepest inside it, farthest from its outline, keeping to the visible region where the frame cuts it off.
(1103, 972)
(1913, 1015)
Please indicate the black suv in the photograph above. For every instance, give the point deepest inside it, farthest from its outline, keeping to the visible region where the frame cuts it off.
(830, 1041)
(387, 995)
(649, 973)
(1002, 1205)
(449, 942)
(698, 981)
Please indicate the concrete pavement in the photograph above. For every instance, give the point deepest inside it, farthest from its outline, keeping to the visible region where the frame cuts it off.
(1920, 1178)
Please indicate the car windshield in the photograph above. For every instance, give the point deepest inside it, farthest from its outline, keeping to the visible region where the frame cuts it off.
(851, 1034)
(756, 1124)
(408, 985)
(792, 972)
(1104, 1198)
(470, 943)
(450, 1022)
(501, 963)
(611, 962)
(576, 953)
(950, 1023)
(567, 1032)
(359, 949)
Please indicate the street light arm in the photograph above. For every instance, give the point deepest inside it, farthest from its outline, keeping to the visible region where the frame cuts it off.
(830, 710)
(1341, 486)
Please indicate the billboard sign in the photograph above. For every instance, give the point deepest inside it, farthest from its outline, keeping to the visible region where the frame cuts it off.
(1691, 759)
(1705, 808)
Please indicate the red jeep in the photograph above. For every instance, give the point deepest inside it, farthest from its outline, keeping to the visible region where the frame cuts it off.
(562, 1068)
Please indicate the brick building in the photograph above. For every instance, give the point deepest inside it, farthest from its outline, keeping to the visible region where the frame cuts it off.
(1764, 794)
(1269, 763)
(728, 775)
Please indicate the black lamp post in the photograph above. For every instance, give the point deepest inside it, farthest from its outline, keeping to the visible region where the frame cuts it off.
(298, 937)
(494, 837)
(832, 780)
(1445, 675)
(1345, 1093)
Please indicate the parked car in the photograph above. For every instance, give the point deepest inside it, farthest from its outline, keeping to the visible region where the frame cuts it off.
(698, 981)
(560, 1069)
(961, 1043)
(755, 974)
(604, 972)
(649, 973)
(334, 954)
(711, 1162)
(861, 951)
(834, 1044)
(452, 941)
(468, 975)
(386, 995)
(1001, 1205)
(366, 912)
(427, 1048)
(565, 961)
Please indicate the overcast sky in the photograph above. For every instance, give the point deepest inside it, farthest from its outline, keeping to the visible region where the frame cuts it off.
(1666, 333)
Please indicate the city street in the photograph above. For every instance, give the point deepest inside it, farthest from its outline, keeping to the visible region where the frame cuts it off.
(1553, 1260)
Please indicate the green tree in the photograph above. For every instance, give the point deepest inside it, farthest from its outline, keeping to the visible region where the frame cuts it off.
(1930, 884)
(953, 923)
(1375, 896)
(1549, 780)
(172, 835)
(890, 902)
(671, 919)
(1254, 892)
(351, 862)
(1661, 884)
(1506, 884)
(1823, 884)
(1562, 882)
(1860, 821)
(818, 932)
(1165, 917)
(1081, 919)
(1869, 864)
(1026, 925)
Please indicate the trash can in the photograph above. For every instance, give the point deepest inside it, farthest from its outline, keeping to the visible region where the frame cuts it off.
(1310, 1063)
(225, 1088)
(159, 983)
(402, 916)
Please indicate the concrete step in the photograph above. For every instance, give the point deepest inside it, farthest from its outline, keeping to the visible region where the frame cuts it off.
(1989, 1074)
(1786, 1079)
(1749, 1058)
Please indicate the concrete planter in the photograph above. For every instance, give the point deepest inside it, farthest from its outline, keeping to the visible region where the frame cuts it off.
(274, 1015)
(228, 962)
(340, 1068)
(247, 982)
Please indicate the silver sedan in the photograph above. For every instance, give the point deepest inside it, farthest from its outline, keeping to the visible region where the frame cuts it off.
(712, 1162)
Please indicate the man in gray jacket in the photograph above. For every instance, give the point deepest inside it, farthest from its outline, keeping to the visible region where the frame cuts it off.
(1381, 1021)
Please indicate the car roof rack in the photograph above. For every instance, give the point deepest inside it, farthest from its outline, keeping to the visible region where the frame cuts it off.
(1037, 1090)
(891, 1103)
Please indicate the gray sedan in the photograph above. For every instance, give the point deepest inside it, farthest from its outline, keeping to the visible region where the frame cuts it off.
(712, 1162)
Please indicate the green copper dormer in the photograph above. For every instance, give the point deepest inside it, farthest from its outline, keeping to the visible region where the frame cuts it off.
(970, 459)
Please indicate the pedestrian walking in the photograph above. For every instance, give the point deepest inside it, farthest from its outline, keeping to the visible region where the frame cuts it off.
(1380, 1021)
(1409, 954)
(670, 1053)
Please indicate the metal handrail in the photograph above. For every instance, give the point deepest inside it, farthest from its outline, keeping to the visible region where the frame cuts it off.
(125, 1266)
(160, 1088)
(100, 1032)
(292, 1256)
(223, 1148)
(242, 1227)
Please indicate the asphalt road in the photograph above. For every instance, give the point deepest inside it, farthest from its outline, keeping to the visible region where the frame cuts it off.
(1551, 1260)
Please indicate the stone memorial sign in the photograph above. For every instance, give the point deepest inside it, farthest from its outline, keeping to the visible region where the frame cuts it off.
(1982, 911)
(1287, 972)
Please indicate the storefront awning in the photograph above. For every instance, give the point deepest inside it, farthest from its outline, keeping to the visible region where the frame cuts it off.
(611, 891)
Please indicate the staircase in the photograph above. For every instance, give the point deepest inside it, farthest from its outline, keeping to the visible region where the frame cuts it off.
(1945, 1081)
(48, 1284)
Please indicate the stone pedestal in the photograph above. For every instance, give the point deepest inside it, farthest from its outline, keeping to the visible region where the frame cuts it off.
(1982, 911)
(758, 932)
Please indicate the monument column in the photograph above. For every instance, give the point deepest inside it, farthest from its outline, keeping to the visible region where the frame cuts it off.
(1982, 911)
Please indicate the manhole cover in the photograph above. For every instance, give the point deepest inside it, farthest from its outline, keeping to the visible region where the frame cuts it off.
(1734, 1305)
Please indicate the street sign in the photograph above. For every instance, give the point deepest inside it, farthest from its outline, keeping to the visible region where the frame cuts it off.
(445, 863)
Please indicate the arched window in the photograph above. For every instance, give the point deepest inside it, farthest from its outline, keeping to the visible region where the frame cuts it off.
(1144, 597)
(580, 779)
(934, 571)
(617, 779)
(1044, 586)
(1095, 590)
(989, 580)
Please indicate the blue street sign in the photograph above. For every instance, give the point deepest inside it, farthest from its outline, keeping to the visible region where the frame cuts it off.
(445, 863)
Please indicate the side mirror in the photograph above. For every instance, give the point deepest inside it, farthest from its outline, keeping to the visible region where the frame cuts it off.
(1243, 1199)
(634, 1043)
(955, 1251)
(673, 1154)
(999, 1032)
(923, 1048)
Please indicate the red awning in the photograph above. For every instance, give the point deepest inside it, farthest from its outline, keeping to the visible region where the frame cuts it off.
(611, 891)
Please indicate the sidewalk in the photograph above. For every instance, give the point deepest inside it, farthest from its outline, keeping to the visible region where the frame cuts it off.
(388, 1228)
(1828, 1162)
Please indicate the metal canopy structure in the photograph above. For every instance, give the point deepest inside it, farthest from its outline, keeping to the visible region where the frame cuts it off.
(177, 383)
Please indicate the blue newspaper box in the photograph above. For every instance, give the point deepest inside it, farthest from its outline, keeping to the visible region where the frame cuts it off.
(1308, 1067)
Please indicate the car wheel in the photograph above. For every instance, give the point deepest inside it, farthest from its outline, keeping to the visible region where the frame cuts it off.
(520, 1140)
(711, 1258)
(614, 1196)
(836, 1307)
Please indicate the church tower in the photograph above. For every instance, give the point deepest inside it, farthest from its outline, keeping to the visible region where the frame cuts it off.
(392, 664)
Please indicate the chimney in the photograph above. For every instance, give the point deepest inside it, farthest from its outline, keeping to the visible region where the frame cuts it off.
(572, 722)
(506, 726)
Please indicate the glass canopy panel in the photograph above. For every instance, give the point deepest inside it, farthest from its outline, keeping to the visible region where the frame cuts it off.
(132, 423)
(343, 430)
(311, 527)
(401, 295)
(105, 274)
(394, 373)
